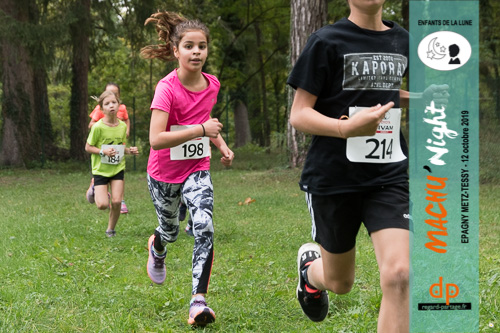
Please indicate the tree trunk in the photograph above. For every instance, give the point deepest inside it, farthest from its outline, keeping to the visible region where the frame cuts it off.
(20, 131)
(307, 16)
(79, 83)
(263, 92)
(496, 90)
(241, 125)
(405, 13)
(42, 116)
(257, 128)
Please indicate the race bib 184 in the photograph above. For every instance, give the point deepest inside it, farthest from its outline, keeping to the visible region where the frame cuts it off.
(120, 154)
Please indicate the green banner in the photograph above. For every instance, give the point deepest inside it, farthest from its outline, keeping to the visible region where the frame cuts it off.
(444, 166)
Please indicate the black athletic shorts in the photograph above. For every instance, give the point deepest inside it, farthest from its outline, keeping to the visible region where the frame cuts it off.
(101, 180)
(336, 219)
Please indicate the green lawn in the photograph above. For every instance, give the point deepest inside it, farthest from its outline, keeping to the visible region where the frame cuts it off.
(59, 273)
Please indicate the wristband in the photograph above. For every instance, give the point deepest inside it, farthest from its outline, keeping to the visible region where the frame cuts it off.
(203, 129)
(338, 125)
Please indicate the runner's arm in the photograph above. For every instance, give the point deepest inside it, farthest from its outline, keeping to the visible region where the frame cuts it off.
(304, 118)
(160, 138)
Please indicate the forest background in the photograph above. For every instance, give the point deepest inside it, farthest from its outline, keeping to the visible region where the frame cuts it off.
(56, 54)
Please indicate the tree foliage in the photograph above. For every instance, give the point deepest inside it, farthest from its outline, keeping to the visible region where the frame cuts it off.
(489, 61)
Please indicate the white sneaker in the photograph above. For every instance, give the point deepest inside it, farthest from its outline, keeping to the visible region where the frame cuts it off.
(156, 264)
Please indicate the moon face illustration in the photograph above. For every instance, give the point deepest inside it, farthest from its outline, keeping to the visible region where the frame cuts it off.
(436, 50)
(433, 50)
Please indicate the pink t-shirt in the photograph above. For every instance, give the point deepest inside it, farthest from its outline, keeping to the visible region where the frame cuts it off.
(185, 107)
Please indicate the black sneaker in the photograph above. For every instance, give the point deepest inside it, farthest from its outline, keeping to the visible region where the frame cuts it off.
(314, 302)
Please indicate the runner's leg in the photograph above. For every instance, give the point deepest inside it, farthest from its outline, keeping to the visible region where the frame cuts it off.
(393, 256)
(334, 272)
(197, 192)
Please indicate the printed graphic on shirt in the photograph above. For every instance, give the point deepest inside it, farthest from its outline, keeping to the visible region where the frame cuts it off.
(373, 71)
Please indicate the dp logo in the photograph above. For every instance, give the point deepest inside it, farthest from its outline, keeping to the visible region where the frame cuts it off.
(436, 290)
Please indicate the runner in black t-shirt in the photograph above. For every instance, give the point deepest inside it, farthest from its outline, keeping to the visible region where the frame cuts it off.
(348, 97)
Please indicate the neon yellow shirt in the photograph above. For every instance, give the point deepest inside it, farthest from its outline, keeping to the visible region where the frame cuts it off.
(101, 134)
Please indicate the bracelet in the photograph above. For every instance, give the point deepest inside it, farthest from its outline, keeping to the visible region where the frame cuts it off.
(338, 125)
(203, 129)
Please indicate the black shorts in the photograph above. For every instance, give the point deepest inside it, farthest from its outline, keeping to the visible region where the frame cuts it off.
(336, 218)
(101, 180)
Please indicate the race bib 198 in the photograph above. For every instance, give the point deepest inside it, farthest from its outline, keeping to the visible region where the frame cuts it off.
(120, 153)
(192, 149)
(383, 147)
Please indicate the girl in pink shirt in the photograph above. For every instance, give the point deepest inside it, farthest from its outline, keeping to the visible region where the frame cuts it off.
(180, 133)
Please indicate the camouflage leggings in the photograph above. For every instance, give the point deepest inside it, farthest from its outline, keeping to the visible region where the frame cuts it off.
(197, 191)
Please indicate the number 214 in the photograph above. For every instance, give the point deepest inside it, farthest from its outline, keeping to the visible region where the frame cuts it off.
(383, 146)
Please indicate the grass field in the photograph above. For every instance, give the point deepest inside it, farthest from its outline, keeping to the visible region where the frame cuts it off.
(59, 273)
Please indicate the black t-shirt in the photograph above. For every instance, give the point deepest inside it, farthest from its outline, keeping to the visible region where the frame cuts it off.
(347, 66)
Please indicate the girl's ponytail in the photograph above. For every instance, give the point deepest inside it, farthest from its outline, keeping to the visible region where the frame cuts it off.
(165, 23)
(170, 27)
